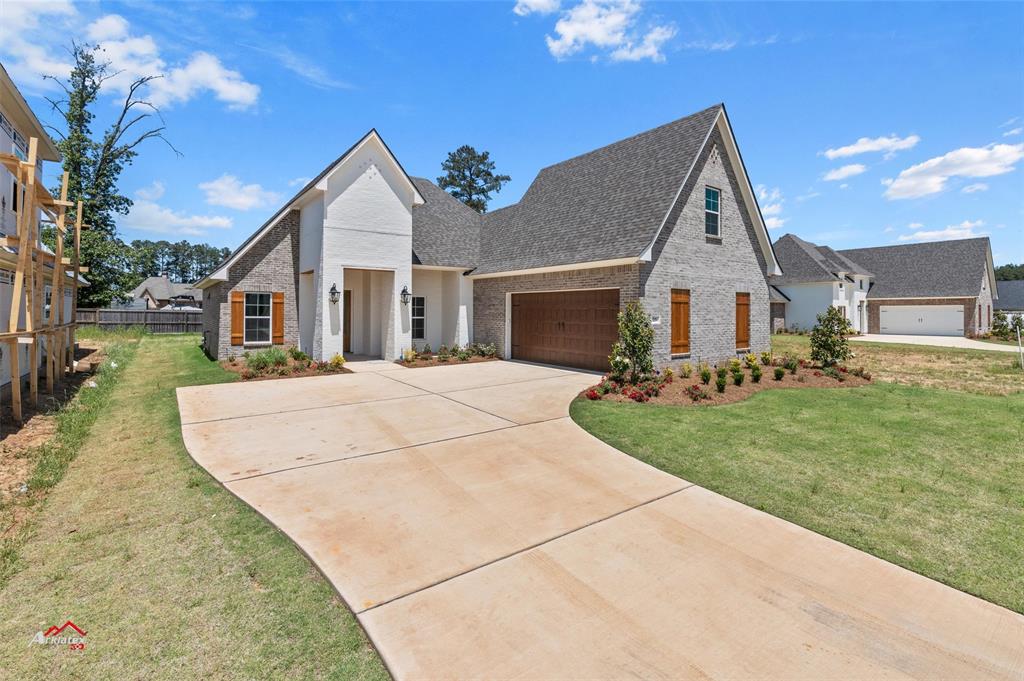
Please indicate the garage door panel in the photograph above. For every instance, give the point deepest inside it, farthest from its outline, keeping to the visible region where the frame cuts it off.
(922, 320)
(572, 328)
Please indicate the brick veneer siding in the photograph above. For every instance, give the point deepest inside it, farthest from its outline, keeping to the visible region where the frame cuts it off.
(970, 310)
(271, 264)
(713, 270)
(489, 294)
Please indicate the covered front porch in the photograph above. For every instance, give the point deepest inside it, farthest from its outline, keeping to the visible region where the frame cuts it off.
(440, 307)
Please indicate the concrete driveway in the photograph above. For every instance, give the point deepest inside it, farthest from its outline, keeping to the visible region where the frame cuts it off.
(478, 533)
(937, 341)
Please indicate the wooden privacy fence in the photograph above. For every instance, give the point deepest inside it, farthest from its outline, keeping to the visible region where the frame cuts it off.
(155, 321)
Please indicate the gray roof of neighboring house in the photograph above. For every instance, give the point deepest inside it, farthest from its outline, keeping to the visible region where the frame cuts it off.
(603, 205)
(1011, 295)
(804, 262)
(936, 269)
(445, 231)
(777, 296)
(163, 288)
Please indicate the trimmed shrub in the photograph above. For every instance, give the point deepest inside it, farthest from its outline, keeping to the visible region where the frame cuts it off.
(636, 341)
(737, 378)
(766, 358)
(779, 373)
(705, 373)
(755, 373)
(828, 338)
(686, 370)
(720, 383)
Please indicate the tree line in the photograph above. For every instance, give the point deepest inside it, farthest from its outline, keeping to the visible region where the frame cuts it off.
(1010, 272)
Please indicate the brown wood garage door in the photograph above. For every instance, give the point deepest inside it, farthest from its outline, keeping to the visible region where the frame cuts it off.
(571, 328)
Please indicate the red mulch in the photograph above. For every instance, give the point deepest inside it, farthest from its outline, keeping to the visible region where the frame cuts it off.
(674, 393)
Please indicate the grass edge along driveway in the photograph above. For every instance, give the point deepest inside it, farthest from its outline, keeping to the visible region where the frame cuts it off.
(931, 480)
(166, 571)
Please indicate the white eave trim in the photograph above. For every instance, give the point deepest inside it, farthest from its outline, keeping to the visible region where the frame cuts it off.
(749, 199)
(557, 268)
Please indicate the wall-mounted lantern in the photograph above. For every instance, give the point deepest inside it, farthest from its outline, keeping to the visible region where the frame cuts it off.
(405, 295)
(335, 295)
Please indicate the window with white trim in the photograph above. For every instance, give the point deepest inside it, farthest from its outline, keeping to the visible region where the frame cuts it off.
(419, 318)
(257, 318)
(712, 212)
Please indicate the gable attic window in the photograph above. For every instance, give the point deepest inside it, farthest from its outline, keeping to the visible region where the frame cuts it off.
(257, 318)
(419, 321)
(712, 212)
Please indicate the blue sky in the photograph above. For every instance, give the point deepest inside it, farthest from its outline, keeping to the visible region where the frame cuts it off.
(863, 124)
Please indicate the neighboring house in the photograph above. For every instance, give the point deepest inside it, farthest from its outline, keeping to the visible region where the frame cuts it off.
(1010, 298)
(160, 292)
(18, 123)
(368, 260)
(815, 278)
(939, 288)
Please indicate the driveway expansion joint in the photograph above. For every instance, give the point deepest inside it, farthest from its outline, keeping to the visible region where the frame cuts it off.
(525, 549)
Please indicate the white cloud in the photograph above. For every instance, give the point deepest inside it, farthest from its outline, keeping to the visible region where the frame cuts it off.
(32, 42)
(305, 68)
(149, 216)
(864, 145)
(976, 187)
(808, 196)
(710, 45)
(965, 230)
(152, 192)
(771, 201)
(649, 48)
(299, 181)
(26, 59)
(930, 176)
(888, 229)
(915, 225)
(229, 192)
(109, 27)
(844, 172)
(525, 7)
(843, 186)
(1009, 122)
(1013, 133)
(608, 25)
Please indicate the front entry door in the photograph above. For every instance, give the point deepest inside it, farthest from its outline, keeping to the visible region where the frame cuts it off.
(346, 323)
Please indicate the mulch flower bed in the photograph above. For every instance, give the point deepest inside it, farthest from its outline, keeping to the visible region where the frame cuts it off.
(286, 367)
(673, 388)
(433, 361)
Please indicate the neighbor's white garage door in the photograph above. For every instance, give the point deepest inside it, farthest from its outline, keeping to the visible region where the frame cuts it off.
(923, 320)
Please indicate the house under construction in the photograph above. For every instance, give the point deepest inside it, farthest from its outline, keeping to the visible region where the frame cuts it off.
(38, 287)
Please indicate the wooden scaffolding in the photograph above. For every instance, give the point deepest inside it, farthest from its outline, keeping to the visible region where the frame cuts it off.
(27, 324)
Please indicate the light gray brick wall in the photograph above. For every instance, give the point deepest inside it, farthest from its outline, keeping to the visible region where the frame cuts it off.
(489, 294)
(271, 264)
(713, 270)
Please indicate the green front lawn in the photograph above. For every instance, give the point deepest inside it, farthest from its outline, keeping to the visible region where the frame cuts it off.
(979, 371)
(168, 573)
(932, 480)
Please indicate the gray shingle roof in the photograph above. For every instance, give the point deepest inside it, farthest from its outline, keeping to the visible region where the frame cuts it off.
(1011, 295)
(603, 205)
(163, 288)
(937, 269)
(804, 262)
(777, 296)
(445, 231)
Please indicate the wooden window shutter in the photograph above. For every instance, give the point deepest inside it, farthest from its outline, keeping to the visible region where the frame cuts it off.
(680, 321)
(742, 321)
(237, 317)
(277, 318)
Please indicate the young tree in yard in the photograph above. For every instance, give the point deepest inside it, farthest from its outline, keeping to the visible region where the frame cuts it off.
(828, 338)
(469, 177)
(635, 344)
(95, 165)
